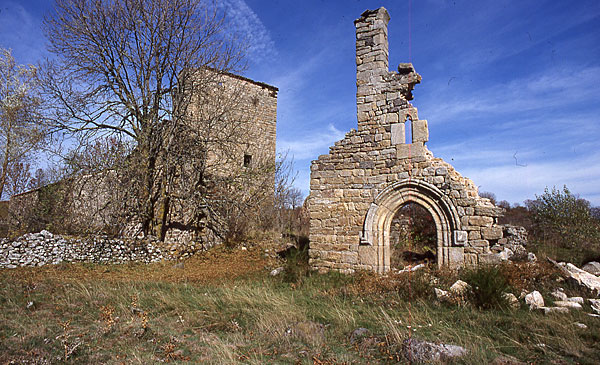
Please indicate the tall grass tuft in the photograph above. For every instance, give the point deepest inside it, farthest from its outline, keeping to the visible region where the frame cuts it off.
(488, 287)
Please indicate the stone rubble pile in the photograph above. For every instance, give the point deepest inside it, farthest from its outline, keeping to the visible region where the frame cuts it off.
(512, 245)
(43, 248)
(561, 302)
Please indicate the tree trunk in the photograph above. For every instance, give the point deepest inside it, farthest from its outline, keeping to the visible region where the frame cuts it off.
(5, 163)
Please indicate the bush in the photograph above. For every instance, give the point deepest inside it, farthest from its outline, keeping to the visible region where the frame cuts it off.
(296, 266)
(488, 287)
(564, 226)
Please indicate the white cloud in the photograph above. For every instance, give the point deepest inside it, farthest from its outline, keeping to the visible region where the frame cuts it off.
(517, 183)
(308, 147)
(249, 27)
(549, 90)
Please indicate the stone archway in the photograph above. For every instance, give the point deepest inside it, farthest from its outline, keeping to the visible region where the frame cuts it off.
(374, 249)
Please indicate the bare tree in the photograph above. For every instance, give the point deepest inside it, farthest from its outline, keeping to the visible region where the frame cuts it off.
(21, 132)
(147, 71)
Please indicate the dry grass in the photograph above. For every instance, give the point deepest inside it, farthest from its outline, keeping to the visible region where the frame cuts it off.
(223, 307)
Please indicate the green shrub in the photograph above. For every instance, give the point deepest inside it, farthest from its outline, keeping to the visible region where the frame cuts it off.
(488, 287)
(296, 266)
(564, 226)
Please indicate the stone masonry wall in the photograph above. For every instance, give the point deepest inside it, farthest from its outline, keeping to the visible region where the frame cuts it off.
(356, 189)
(253, 107)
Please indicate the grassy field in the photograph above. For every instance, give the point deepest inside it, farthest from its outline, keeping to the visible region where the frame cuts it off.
(223, 307)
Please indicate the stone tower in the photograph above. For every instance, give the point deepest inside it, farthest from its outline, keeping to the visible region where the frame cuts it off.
(367, 177)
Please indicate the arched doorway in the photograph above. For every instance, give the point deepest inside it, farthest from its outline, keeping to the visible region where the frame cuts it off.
(375, 244)
(413, 237)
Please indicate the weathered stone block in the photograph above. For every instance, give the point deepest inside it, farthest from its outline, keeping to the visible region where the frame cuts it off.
(479, 243)
(474, 235)
(398, 133)
(481, 221)
(420, 132)
(443, 171)
(492, 233)
(367, 255)
(455, 256)
(471, 260)
(489, 259)
(489, 211)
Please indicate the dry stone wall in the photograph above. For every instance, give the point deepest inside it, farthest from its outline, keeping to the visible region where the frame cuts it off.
(357, 188)
(45, 248)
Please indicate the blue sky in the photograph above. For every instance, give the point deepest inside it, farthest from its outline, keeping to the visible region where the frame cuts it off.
(511, 89)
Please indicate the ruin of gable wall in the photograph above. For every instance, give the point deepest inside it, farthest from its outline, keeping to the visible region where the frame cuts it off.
(356, 189)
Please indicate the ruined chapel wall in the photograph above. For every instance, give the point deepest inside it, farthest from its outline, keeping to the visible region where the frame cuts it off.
(346, 182)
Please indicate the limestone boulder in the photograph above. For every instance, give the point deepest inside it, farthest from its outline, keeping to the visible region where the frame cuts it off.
(511, 299)
(534, 300)
(418, 351)
(582, 277)
(460, 288)
(592, 267)
(441, 294)
(595, 304)
(558, 294)
(555, 310)
(568, 304)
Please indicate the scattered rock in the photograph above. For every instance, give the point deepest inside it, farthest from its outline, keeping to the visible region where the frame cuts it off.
(460, 288)
(595, 304)
(276, 271)
(417, 351)
(440, 294)
(581, 277)
(506, 254)
(512, 300)
(534, 300)
(558, 294)
(592, 267)
(575, 300)
(580, 325)
(553, 310)
(531, 257)
(411, 269)
(358, 334)
(567, 304)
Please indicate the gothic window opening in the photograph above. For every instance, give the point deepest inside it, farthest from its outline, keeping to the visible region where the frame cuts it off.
(408, 128)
